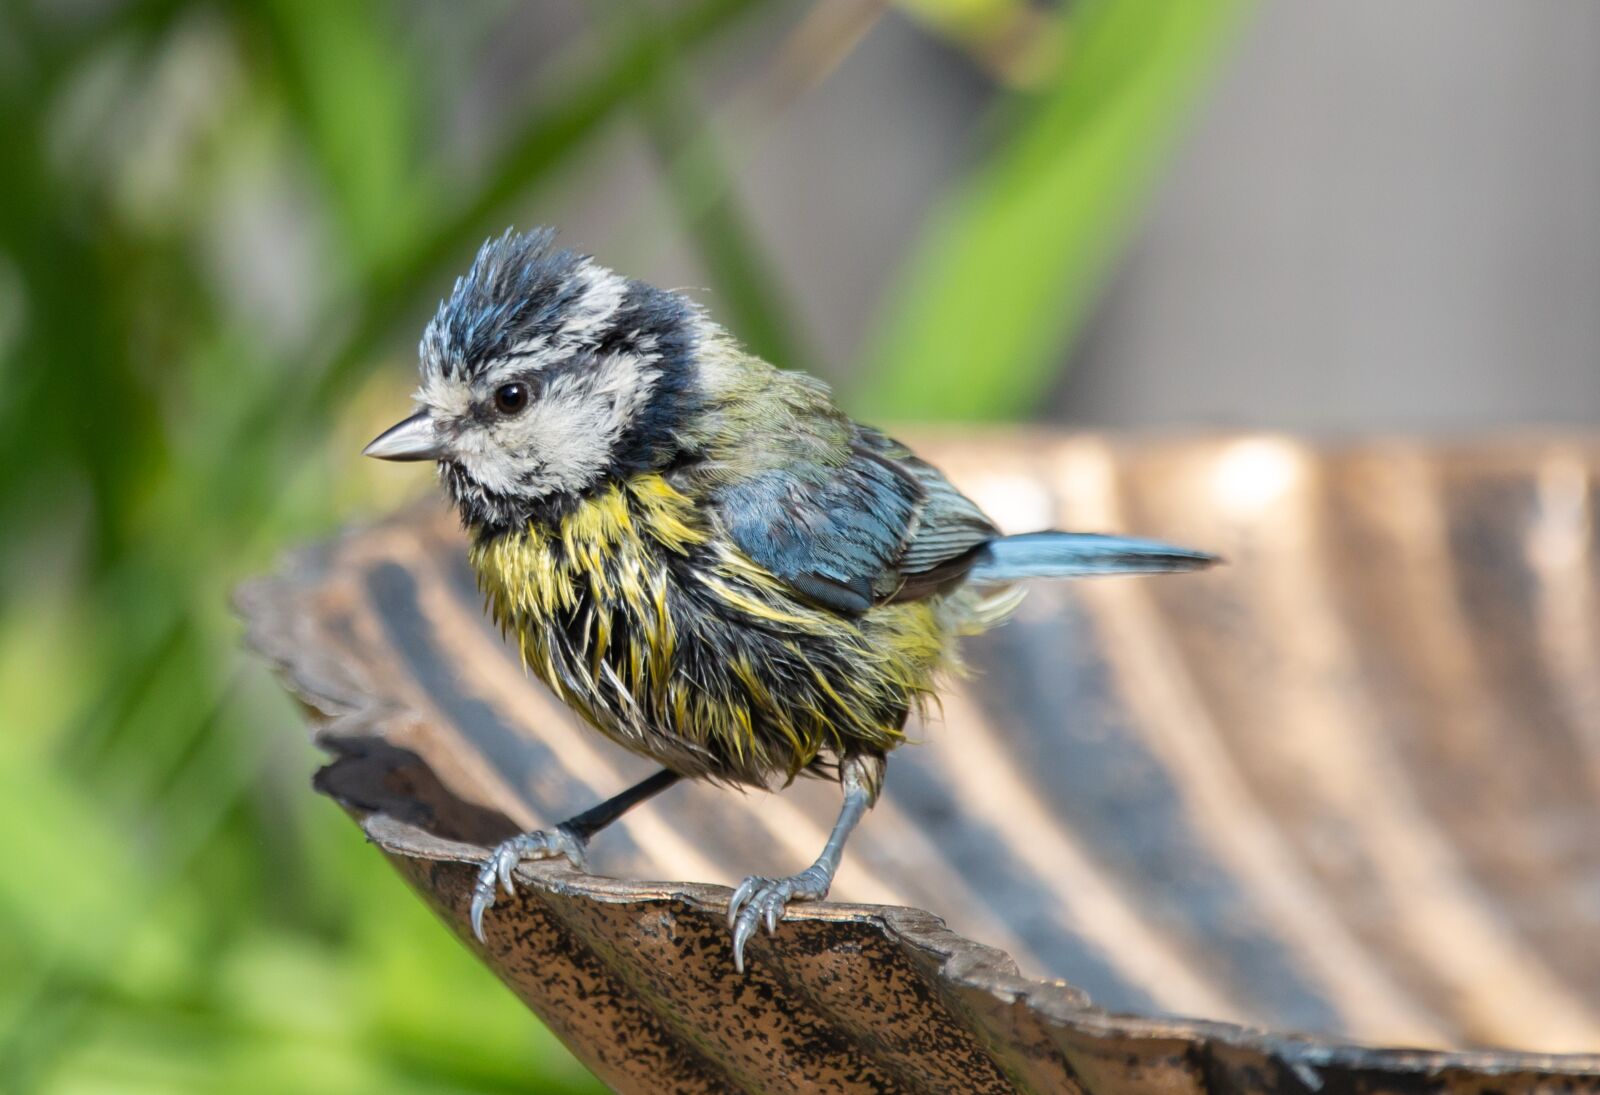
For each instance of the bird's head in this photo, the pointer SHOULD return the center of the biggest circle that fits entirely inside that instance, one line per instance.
(543, 375)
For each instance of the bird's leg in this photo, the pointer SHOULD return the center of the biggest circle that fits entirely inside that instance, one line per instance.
(570, 838)
(763, 900)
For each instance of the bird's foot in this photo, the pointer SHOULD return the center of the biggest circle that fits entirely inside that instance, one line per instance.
(496, 870)
(763, 900)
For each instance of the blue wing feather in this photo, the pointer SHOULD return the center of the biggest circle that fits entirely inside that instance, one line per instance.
(1078, 554)
(882, 525)
(855, 533)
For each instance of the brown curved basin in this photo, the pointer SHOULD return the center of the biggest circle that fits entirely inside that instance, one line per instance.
(1227, 831)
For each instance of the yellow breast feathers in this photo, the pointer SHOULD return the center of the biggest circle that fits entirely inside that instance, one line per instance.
(668, 639)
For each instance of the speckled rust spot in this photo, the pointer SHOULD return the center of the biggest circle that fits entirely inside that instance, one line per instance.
(1342, 793)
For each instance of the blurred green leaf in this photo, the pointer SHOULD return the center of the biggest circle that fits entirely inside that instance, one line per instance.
(356, 104)
(990, 297)
(749, 295)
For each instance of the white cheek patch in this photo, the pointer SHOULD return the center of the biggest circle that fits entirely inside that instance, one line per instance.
(567, 439)
(492, 466)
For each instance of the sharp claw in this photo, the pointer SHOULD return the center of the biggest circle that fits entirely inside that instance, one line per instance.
(740, 896)
(760, 901)
(482, 897)
(741, 935)
(479, 905)
(502, 864)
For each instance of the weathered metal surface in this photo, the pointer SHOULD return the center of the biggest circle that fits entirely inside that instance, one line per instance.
(1341, 793)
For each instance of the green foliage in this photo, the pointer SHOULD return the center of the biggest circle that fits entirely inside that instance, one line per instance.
(1006, 271)
(178, 912)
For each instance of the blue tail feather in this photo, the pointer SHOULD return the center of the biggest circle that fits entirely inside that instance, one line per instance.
(1079, 554)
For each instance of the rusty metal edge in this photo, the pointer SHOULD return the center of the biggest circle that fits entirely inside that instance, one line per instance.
(1222, 1056)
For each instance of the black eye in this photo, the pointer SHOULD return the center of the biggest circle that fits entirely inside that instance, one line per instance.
(510, 398)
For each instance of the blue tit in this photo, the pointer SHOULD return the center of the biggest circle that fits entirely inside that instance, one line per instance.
(706, 559)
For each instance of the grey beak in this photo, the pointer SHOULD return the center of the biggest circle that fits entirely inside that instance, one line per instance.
(412, 439)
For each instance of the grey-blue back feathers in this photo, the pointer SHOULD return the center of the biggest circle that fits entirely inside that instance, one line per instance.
(831, 535)
(1077, 555)
(881, 525)
(877, 524)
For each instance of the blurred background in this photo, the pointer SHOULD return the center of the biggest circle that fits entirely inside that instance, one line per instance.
(222, 227)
